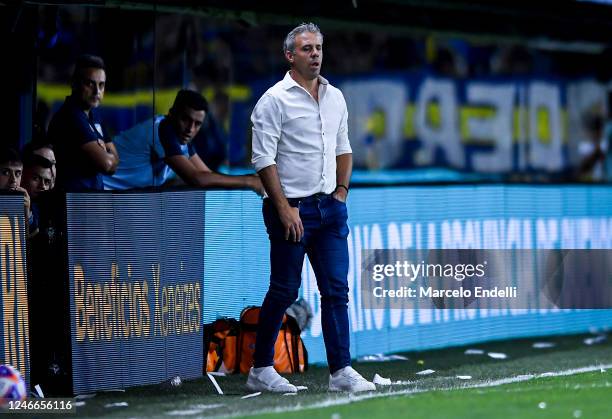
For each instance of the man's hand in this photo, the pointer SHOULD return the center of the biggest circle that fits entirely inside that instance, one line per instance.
(290, 218)
(340, 194)
(26, 201)
(256, 185)
(288, 215)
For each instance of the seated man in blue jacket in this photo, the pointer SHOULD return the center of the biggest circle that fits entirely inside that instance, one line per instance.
(154, 150)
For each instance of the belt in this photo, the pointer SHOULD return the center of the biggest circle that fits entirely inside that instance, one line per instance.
(316, 197)
(311, 198)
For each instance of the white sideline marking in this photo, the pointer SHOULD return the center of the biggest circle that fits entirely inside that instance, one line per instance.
(248, 396)
(520, 378)
(350, 398)
(39, 391)
(215, 383)
(194, 410)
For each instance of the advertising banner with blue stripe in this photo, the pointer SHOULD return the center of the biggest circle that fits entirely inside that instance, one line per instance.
(416, 217)
(136, 269)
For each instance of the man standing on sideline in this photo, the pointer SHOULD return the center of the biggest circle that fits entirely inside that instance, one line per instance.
(303, 156)
(84, 150)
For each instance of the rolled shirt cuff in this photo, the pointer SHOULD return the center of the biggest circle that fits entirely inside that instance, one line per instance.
(260, 163)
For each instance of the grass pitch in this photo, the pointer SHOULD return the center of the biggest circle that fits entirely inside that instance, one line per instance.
(529, 383)
(585, 395)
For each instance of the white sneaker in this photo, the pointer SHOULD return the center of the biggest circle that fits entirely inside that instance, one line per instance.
(267, 379)
(347, 379)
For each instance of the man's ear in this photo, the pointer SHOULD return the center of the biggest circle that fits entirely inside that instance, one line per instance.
(289, 56)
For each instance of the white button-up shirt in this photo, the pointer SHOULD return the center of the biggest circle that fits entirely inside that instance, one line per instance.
(299, 135)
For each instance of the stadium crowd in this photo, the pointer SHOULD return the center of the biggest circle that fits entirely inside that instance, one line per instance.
(159, 52)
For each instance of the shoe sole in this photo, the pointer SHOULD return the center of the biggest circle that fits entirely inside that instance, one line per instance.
(337, 389)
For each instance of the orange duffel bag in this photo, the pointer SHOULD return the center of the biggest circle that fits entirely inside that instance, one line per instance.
(221, 345)
(290, 355)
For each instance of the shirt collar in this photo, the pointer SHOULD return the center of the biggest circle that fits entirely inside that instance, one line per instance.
(288, 81)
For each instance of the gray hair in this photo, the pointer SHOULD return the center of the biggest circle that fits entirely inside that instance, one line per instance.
(289, 44)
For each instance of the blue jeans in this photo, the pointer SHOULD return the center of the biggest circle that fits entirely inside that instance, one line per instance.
(325, 232)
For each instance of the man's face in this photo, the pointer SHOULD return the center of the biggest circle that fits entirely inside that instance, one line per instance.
(10, 175)
(89, 89)
(187, 123)
(48, 154)
(37, 179)
(308, 55)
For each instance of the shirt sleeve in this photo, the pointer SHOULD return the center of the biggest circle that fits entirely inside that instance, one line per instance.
(168, 140)
(266, 119)
(149, 130)
(343, 145)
